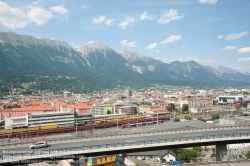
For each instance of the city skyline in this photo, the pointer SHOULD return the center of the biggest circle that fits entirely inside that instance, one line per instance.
(169, 30)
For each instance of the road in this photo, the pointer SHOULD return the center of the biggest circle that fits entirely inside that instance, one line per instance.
(131, 138)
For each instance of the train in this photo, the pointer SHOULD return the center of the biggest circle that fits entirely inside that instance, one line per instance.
(55, 126)
(118, 119)
(44, 130)
(29, 129)
(141, 124)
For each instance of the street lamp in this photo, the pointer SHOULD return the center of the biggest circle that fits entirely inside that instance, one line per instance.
(117, 122)
(157, 118)
(76, 127)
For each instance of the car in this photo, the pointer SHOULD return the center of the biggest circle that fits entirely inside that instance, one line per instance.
(40, 144)
(164, 164)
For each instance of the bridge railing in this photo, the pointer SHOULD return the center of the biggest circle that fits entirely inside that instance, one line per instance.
(21, 155)
(98, 134)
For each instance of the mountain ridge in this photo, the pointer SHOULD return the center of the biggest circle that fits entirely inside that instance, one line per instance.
(98, 66)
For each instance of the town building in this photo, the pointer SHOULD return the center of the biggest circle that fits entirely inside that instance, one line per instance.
(101, 109)
(168, 155)
(62, 119)
(31, 107)
(128, 93)
(16, 122)
(106, 160)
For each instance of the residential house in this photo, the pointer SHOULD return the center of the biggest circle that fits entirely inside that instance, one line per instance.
(168, 155)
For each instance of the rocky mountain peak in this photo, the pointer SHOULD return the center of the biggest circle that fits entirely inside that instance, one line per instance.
(132, 56)
(93, 47)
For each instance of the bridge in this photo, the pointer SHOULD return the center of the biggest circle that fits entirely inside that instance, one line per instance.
(123, 144)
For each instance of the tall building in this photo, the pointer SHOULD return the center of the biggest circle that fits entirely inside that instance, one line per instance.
(67, 94)
(128, 93)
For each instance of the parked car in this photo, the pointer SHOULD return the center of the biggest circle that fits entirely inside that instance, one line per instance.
(40, 144)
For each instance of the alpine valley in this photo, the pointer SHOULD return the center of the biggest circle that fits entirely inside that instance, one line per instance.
(32, 63)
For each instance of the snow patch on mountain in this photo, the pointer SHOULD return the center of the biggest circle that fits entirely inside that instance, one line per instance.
(132, 56)
(163, 60)
(217, 69)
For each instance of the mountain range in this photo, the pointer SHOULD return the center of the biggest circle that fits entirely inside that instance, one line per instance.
(33, 63)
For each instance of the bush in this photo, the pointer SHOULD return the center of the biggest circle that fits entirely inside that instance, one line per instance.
(177, 120)
(203, 120)
(213, 155)
(52, 162)
(188, 117)
(163, 160)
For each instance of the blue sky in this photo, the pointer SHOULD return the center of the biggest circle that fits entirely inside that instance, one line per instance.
(166, 29)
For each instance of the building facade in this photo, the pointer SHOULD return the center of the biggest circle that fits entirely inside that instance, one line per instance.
(98, 109)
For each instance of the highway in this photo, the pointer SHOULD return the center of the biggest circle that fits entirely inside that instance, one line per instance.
(195, 134)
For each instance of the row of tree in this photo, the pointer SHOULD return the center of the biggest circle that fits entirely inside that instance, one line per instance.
(171, 108)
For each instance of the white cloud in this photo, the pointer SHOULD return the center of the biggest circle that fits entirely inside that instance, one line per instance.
(209, 45)
(234, 36)
(59, 9)
(220, 37)
(151, 46)
(171, 39)
(212, 2)
(39, 15)
(244, 50)
(169, 16)
(128, 21)
(229, 48)
(243, 59)
(109, 21)
(183, 46)
(91, 42)
(12, 18)
(144, 16)
(84, 6)
(97, 20)
(155, 50)
(128, 44)
(102, 19)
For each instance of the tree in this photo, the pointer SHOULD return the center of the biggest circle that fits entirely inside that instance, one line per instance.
(16, 106)
(135, 112)
(108, 111)
(171, 107)
(215, 116)
(248, 155)
(213, 153)
(186, 155)
(184, 108)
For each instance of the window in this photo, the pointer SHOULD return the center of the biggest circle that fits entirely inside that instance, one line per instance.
(105, 158)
